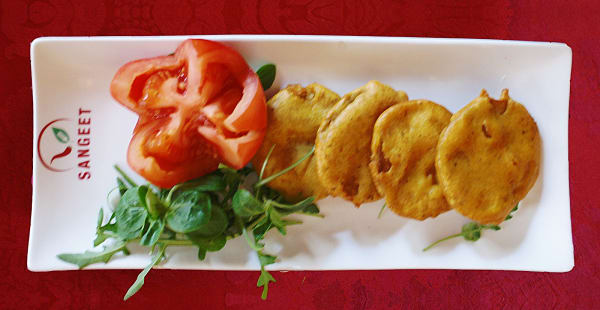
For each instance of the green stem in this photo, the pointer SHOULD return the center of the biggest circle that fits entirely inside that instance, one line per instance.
(251, 243)
(141, 277)
(251, 225)
(264, 165)
(441, 240)
(381, 211)
(170, 194)
(319, 215)
(111, 234)
(125, 176)
(284, 171)
(306, 201)
(108, 195)
(237, 221)
(175, 242)
(262, 169)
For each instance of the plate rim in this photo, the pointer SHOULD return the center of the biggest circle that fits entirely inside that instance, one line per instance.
(284, 38)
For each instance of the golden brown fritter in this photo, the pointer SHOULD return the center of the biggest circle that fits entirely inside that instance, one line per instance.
(294, 115)
(488, 157)
(403, 152)
(343, 146)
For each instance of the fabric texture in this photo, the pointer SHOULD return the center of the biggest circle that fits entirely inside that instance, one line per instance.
(572, 22)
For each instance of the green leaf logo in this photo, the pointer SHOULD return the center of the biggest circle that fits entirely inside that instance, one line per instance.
(61, 135)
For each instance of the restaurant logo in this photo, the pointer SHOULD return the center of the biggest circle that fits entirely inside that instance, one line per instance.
(55, 147)
(64, 144)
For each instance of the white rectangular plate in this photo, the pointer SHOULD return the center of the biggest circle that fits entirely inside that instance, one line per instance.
(70, 74)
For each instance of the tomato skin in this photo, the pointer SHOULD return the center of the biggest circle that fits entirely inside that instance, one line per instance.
(198, 107)
(249, 116)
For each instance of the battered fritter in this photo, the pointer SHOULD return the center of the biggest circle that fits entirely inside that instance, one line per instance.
(488, 157)
(343, 146)
(403, 152)
(294, 116)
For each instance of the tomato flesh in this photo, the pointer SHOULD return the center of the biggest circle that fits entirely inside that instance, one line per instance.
(198, 107)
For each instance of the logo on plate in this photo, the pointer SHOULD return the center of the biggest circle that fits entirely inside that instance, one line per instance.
(63, 144)
(55, 146)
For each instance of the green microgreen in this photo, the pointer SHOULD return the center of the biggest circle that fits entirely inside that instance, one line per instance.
(125, 177)
(203, 213)
(140, 278)
(286, 170)
(266, 73)
(381, 210)
(472, 231)
(91, 257)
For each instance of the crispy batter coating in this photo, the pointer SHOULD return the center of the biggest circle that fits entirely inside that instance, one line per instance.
(488, 157)
(294, 115)
(343, 145)
(403, 153)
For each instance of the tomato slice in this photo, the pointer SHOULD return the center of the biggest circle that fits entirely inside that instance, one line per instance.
(198, 107)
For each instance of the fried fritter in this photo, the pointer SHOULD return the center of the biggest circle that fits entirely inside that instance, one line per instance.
(488, 157)
(403, 152)
(343, 146)
(294, 116)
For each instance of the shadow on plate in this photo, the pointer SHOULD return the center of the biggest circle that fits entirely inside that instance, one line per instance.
(319, 237)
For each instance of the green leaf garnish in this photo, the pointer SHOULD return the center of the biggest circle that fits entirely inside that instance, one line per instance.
(102, 231)
(202, 213)
(153, 204)
(100, 218)
(190, 210)
(257, 246)
(140, 278)
(265, 276)
(262, 227)
(471, 231)
(89, 257)
(245, 204)
(216, 225)
(211, 244)
(130, 214)
(214, 182)
(263, 281)
(153, 232)
(266, 74)
(121, 186)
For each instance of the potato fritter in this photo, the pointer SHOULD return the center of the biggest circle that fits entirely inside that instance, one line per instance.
(294, 116)
(403, 152)
(488, 158)
(343, 146)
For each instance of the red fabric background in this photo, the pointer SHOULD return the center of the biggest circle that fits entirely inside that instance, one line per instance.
(575, 24)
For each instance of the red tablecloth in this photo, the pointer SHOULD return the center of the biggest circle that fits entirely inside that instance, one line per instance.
(575, 24)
